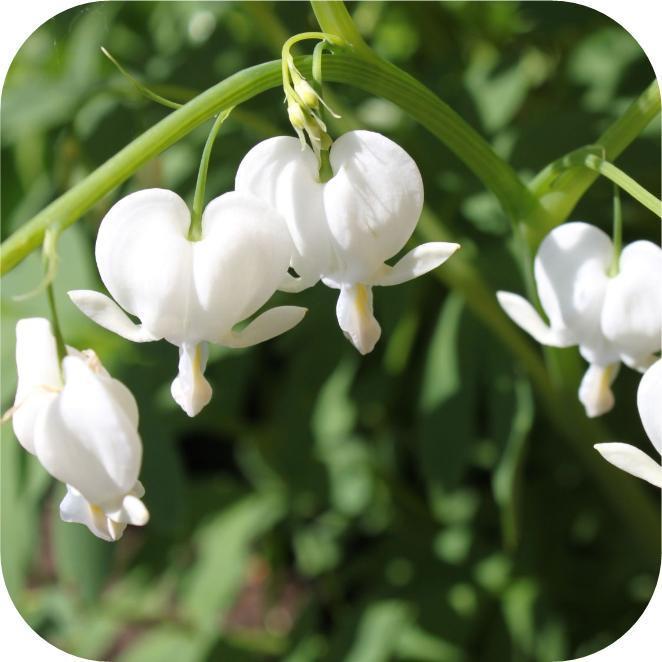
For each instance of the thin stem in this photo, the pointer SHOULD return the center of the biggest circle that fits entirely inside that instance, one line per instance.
(195, 229)
(55, 323)
(629, 185)
(143, 89)
(617, 237)
(570, 186)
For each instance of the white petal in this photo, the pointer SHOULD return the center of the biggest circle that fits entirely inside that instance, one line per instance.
(417, 262)
(265, 326)
(526, 316)
(39, 378)
(295, 285)
(279, 172)
(144, 260)
(649, 401)
(632, 312)
(372, 203)
(570, 269)
(86, 436)
(241, 260)
(190, 390)
(356, 319)
(595, 389)
(131, 511)
(106, 313)
(631, 459)
(75, 508)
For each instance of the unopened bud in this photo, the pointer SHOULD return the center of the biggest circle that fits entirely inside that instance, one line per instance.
(296, 115)
(306, 93)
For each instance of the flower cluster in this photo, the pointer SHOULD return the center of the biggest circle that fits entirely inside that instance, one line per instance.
(194, 283)
(82, 425)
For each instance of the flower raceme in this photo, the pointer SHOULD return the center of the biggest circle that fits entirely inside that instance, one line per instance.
(629, 458)
(344, 229)
(82, 425)
(190, 292)
(613, 319)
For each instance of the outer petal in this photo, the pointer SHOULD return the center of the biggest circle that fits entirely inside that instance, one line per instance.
(631, 459)
(240, 262)
(39, 377)
(571, 276)
(356, 319)
(632, 312)
(417, 262)
(526, 316)
(279, 172)
(87, 438)
(268, 325)
(106, 313)
(75, 508)
(649, 401)
(144, 259)
(190, 390)
(372, 203)
(595, 389)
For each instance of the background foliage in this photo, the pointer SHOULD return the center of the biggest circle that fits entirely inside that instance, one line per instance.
(412, 504)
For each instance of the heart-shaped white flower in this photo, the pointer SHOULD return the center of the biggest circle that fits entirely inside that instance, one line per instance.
(628, 457)
(190, 292)
(344, 230)
(612, 319)
(82, 425)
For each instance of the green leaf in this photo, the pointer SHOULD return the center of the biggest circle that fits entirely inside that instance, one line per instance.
(379, 631)
(222, 548)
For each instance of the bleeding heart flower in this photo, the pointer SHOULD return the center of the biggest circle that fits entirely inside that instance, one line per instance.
(190, 292)
(613, 319)
(82, 425)
(344, 229)
(629, 458)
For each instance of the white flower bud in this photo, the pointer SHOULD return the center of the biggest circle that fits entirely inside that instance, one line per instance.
(306, 93)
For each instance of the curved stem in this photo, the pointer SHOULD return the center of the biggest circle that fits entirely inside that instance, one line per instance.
(374, 76)
(617, 235)
(195, 229)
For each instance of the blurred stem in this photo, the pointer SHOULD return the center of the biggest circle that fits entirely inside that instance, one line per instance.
(195, 229)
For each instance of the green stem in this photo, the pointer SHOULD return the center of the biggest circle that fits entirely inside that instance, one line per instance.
(617, 237)
(333, 17)
(195, 229)
(141, 88)
(55, 324)
(374, 77)
(629, 185)
(569, 187)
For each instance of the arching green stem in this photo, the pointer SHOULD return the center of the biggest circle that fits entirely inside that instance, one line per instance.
(195, 229)
(55, 324)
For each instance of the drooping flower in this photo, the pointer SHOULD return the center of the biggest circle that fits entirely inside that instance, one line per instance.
(612, 319)
(82, 425)
(190, 292)
(343, 230)
(629, 458)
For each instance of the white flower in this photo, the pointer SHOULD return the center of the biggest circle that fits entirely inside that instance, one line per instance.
(612, 319)
(83, 427)
(343, 230)
(629, 458)
(190, 292)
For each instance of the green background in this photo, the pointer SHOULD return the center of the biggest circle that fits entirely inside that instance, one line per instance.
(413, 504)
